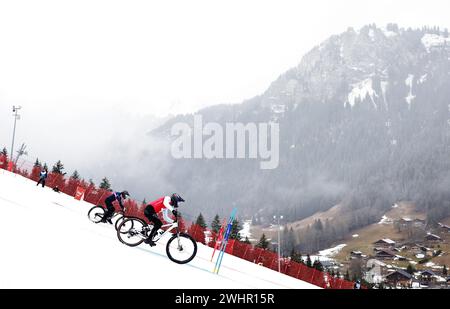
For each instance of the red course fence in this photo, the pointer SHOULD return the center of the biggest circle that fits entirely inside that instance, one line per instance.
(263, 257)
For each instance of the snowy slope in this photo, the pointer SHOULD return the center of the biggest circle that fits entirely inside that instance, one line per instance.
(47, 241)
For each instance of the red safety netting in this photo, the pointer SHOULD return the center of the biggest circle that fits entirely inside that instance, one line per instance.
(3, 162)
(205, 236)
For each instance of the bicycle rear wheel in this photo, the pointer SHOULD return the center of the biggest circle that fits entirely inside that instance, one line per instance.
(131, 232)
(181, 248)
(96, 214)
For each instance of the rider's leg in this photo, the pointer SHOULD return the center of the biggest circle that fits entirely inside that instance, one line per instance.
(156, 226)
(151, 215)
(109, 212)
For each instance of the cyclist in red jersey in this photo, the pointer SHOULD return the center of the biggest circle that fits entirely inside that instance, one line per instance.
(152, 210)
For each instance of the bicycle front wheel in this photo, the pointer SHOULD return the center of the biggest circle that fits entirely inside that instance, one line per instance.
(181, 248)
(131, 232)
(125, 228)
(96, 214)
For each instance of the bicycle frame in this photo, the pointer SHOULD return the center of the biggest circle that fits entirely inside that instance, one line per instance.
(173, 225)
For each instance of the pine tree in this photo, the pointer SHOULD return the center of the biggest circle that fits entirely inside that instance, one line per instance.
(105, 184)
(144, 202)
(318, 225)
(347, 276)
(289, 240)
(317, 265)
(75, 175)
(410, 269)
(215, 224)
(4, 152)
(247, 241)
(308, 261)
(91, 182)
(263, 242)
(444, 271)
(37, 163)
(201, 221)
(235, 229)
(295, 256)
(45, 167)
(58, 167)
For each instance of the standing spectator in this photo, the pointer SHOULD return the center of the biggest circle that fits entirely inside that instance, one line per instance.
(42, 177)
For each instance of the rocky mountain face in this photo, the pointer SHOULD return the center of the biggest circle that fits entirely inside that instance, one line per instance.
(364, 122)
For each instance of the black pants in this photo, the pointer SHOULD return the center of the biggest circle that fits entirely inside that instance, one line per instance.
(109, 209)
(41, 180)
(151, 215)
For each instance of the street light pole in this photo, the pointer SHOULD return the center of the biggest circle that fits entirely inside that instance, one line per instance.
(279, 242)
(16, 117)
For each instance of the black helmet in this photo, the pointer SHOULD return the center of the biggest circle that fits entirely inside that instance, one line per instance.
(175, 198)
(125, 194)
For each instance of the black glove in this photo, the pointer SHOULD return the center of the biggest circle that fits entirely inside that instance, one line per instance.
(175, 212)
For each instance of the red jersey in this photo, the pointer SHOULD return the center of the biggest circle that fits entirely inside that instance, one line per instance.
(159, 204)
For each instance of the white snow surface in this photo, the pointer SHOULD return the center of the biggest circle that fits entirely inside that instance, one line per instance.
(384, 86)
(389, 241)
(360, 91)
(48, 242)
(434, 40)
(278, 108)
(422, 79)
(409, 83)
(331, 251)
(388, 33)
(372, 35)
(245, 232)
(385, 220)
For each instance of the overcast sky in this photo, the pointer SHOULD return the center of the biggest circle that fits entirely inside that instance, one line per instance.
(71, 64)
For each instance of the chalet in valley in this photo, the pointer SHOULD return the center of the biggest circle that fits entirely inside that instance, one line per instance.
(432, 238)
(427, 277)
(384, 254)
(399, 277)
(375, 271)
(444, 227)
(384, 243)
(409, 223)
(356, 255)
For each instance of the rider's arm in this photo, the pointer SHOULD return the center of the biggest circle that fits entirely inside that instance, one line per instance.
(166, 203)
(119, 199)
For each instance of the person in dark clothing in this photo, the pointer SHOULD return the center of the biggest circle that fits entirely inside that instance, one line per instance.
(116, 196)
(152, 210)
(357, 285)
(42, 177)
